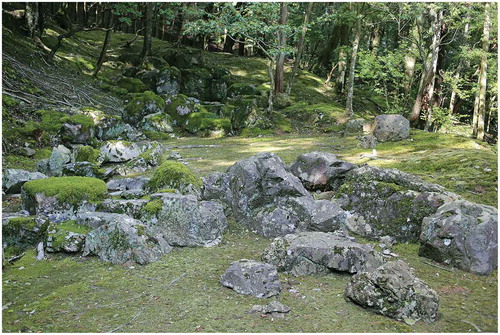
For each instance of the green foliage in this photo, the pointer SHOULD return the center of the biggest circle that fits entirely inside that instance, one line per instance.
(72, 190)
(173, 175)
(8, 101)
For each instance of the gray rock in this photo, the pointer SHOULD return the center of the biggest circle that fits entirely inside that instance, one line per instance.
(367, 142)
(114, 128)
(131, 207)
(137, 183)
(119, 151)
(184, 221)
(389, 128)
(216, 187)
(96, 219)
(76, 133)
(13, 179)
(128, 194)
(320, 170)
(394, 291)
(42, 166)
(252, 278)
(150, 157)
(273, 308)
(388, 202)
(83, 169)
(125, 240)
(168, 81)
(58, 158)
(317, 252)
(263, 195)
(463, 234)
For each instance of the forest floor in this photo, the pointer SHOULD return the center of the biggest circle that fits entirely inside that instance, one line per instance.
(181, 291)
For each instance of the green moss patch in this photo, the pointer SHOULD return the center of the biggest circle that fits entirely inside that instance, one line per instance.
(83, 120)
(153, 206)
(173, 175)
(72, 190)
(201, 121)
(51, 120)
(86, 153)
(143, 104)
(132, 85)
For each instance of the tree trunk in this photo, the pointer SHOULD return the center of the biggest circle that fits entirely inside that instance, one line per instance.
(241, 47)
(481, 95)
(344, 40)
(375, 40)
(300, 47)
(31, 16)
(350, 84)
(105, 45)
(280, 59)
(228, 44)
(148, 41)
(429, 65)
(459, 67)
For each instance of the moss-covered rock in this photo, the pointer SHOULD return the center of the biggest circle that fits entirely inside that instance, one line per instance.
(242, 89)
(179, 107)
(51, 120)
(72, 191)
(142, 105)
(242, 112)
(204, 122)
(67, 236)
(196, 82)
(165, 80)
(158, 122)
(86, 153)
(77, 128)
(130, 58)
(174, 175)
(20, 233)
(132, 85)
(184, 58)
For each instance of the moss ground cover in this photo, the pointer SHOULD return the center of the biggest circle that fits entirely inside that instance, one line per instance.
(72, 190)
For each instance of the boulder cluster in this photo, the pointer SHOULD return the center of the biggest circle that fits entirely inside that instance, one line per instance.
(139, 219)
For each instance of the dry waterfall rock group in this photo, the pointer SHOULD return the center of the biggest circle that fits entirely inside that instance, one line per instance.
(307, 210)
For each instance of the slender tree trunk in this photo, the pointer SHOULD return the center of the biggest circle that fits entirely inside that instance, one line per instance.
(280, 59)
(375, 40)
(459, 67)
(148, 41)
(228, 44)
(481, 110)
(350, 83)
(344, 40)
(300, 47)
(107, 37)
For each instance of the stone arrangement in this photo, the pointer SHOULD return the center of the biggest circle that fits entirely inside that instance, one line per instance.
(135, 220)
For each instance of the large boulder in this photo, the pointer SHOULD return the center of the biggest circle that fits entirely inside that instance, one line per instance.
(243, 112)
(179, 107)
(123, 240)
(150, 157)
(185, 221)
(388, 202)
(389, 128)
(394, 291)
(252, 278)
(13, 179)
(159, 122)
(320, 170)
(241, 89)
(316, 252)
(196, 82)
(166, 80)
(268, 199)
(112, 127)
(216, 187)
(175, 175)
(462, 234)
(59, 198)
(119, 151)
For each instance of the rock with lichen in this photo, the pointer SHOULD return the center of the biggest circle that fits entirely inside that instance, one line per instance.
(393, 290)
